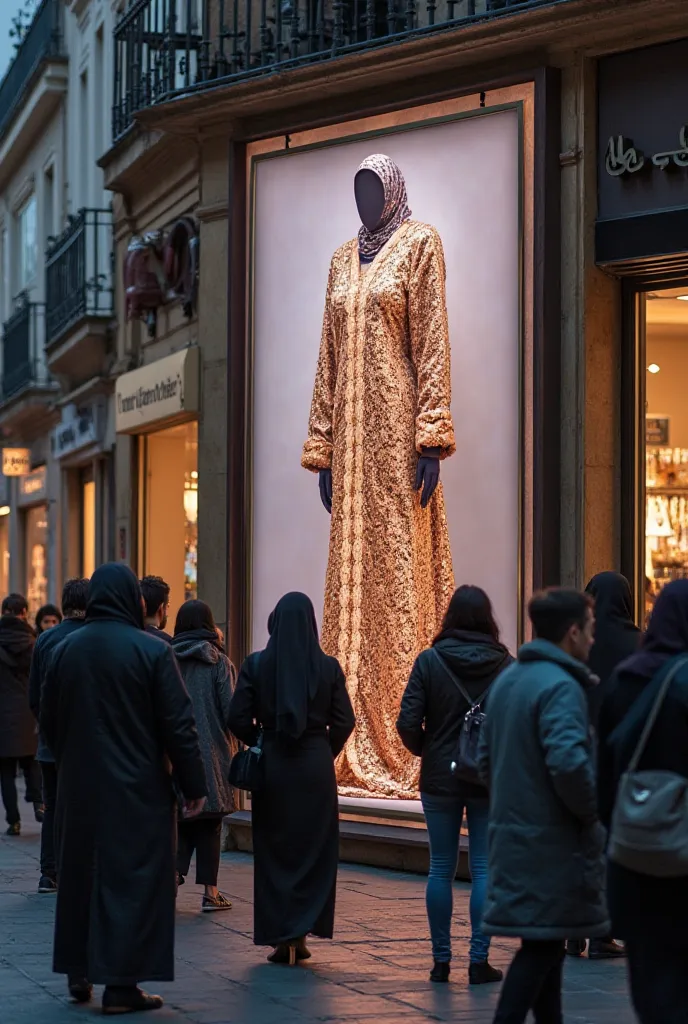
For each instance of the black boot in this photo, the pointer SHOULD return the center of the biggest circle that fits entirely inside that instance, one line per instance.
(131, 999)
(483, 973)
(440, 972)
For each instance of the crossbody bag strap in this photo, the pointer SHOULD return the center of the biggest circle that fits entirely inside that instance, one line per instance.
(654, 713)
(466, 696)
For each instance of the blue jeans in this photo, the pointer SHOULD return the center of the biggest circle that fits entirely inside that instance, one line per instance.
(443, 817)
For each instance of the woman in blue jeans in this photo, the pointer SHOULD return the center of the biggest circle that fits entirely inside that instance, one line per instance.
(463, 661)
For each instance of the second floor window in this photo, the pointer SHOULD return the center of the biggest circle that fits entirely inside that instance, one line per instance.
(28, 243)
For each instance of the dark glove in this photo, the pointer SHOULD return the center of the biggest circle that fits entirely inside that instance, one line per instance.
(427, 474)
(325, 482)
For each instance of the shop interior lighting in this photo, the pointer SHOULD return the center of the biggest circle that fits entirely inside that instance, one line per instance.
(653, 368)
(682, 298)
(4, 510)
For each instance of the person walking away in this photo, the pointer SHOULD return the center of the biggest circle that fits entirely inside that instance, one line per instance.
(74, 595)
(296, 696)
(210, 678)
(115, 713)
(156, 594)
(616, 638)
(647, 912)
(18, 740)
(545, 848)
(47, 617)
(446, 681)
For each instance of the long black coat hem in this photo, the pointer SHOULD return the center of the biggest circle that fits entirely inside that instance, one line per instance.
(116, 980)
(542, 933)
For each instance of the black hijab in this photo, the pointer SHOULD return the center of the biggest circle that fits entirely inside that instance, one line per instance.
(616, 634)
(667, 632)
(292, 663)
(114, 594)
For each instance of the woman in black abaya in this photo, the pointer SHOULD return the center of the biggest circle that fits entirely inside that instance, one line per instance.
(616, 635)
(297, 695)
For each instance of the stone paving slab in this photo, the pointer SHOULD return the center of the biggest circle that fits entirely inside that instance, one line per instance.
(374, 972)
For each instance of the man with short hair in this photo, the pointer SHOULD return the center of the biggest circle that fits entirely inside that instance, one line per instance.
(74, 595)
(156, 594)
(17, 727)
(545, 843)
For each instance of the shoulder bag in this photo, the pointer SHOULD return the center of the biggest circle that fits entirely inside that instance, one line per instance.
(464, 764)
(246, 767)
(649, 829)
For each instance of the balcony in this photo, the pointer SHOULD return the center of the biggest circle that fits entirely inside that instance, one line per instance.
(79, 296)
(35, 81)
(168, 48)
(27, 390)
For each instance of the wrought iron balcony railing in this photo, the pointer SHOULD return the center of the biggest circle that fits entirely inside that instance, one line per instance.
(167, 47)
(23, 336)
(79, 273)
(41, 42)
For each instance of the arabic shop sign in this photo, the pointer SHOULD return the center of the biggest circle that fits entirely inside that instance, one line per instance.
(642, 132)
(623, 158)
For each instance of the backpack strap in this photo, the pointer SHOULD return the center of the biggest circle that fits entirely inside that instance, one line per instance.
(466, 696)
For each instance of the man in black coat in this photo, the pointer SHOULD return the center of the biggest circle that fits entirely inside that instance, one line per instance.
(156, 595)
(74, 594)
(115, 712)
(17, 727)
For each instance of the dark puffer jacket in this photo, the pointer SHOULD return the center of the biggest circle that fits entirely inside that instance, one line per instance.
(433, 708)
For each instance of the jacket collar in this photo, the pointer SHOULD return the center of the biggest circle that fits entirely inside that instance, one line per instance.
(544, 650)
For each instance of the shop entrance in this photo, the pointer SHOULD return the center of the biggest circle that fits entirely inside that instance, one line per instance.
(168, 510)
(661, 468)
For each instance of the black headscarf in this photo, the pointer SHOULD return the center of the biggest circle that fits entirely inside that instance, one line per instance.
(292, 663)
(616, 634)
(667, 632)
(114, 593)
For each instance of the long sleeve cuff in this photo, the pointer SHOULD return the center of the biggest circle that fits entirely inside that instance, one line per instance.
(434, 429)
(317, 454)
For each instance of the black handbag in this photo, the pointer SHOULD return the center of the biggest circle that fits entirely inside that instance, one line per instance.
(464, 764)
(246, 768)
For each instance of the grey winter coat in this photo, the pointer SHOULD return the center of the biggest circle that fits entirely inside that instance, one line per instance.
(210, 678)
(545, 843)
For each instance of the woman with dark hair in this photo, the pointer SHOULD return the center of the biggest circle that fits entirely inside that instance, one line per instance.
(446, 681)
(47, 617)
(209, 676)
(295, 695)
(649, 913)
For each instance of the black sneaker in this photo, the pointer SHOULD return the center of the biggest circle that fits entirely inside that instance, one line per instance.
(482, 973)
(440, 972)
(39, 813)
(14, 830)
(575, 947)
(47, 884)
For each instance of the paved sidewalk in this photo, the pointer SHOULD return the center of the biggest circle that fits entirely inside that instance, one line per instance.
(375, 972)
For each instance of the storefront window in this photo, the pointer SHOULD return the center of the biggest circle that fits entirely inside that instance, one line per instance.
(168, 523)
(36, 540)
(4, 549)
(666, 440)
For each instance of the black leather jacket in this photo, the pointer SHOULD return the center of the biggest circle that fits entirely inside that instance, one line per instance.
(433, 708)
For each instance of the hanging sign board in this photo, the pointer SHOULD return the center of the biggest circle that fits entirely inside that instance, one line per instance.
(165, 390)
(16, 461)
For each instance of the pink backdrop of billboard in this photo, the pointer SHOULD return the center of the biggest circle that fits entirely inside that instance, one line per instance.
(463, 177)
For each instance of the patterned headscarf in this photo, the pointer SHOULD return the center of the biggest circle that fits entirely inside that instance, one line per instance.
(396, 208)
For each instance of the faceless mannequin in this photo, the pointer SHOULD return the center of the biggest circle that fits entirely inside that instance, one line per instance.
(370, 200)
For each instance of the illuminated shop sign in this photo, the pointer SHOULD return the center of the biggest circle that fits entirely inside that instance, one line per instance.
(166, 389)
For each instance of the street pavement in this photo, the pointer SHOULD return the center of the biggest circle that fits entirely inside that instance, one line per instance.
(374, 972)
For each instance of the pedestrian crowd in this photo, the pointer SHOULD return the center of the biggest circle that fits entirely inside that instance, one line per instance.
(568, 761)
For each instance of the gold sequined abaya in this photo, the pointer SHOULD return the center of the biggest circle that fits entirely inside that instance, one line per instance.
(382, 393)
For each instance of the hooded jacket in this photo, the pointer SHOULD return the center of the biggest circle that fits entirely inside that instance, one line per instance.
(18, 733)
(433, 707)
(545, 844)
(210, 678)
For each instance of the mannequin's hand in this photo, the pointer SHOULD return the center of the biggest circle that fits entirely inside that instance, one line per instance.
(427, 474)
(325, 482)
